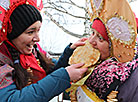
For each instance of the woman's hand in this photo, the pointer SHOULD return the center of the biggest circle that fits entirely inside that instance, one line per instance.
(80, 42)
(75, 72)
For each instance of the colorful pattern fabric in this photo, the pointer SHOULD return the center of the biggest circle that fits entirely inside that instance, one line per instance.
(4, 59)
(109, 74)
(27, 61)
(5, 75)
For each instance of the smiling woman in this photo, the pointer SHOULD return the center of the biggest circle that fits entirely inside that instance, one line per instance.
(27, 39)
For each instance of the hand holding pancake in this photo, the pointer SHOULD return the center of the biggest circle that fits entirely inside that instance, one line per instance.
(80, 42)
(78, 73)
(85, 54)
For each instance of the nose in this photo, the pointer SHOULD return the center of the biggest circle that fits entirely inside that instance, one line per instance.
(36, 37)
(92, 41)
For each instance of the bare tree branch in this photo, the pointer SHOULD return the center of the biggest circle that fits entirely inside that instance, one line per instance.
(63, 10)
(61, 27)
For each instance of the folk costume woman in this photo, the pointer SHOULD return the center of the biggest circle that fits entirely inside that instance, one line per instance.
(114, 35)
(23, 65)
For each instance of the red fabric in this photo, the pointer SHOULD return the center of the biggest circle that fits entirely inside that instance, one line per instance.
(99, 27)
(41, 5)
(5, 14)
(30, 61)
(137, 22)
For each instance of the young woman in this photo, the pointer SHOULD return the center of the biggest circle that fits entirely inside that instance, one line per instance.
(26, 74)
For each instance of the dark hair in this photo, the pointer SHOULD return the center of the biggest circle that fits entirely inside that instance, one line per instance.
(20, 75)
(45, 62)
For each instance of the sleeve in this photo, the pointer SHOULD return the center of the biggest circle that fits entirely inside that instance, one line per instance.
(135, 96)
(42, 91)
(128, 91)
(64, 58)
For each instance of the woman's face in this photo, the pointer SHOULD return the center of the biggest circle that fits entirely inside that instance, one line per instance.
(98, 42)
(28, 38)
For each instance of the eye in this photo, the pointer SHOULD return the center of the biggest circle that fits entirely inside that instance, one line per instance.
(30, 32)
(38, 30)
(92, 33)
(101, 38)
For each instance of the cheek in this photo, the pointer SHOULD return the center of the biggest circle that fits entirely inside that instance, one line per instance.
(104, 50)
(23, 42)
(27, 40)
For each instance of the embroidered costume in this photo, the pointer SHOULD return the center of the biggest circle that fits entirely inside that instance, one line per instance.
(108, 75)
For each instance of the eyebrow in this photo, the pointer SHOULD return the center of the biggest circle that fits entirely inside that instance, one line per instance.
(30, 29)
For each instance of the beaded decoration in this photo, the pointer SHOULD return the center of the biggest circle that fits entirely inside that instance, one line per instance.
(120, 22)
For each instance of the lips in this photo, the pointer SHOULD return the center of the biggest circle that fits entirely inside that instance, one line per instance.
(30, 46)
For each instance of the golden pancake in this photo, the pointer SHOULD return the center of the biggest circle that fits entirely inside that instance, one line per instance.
(85, 54)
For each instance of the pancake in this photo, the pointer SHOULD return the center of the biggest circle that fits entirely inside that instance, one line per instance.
(85, 54)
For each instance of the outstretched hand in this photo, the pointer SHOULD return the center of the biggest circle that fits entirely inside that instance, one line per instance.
(75, 72)
(80, 42)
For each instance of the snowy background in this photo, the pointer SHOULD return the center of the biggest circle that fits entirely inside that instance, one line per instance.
(55, 39)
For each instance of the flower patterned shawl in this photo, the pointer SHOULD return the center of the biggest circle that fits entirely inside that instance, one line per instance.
(108, 75)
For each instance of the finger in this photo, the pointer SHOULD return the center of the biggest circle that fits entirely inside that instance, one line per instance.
(83, 70)
(83, 39)
(73, 46)
(80, 44)
(78, 65)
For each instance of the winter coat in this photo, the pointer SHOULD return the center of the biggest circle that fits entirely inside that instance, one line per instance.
(128, 92)
(45, 89)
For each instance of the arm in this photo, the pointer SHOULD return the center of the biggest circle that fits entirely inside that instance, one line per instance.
(43, 90)
(64, 58)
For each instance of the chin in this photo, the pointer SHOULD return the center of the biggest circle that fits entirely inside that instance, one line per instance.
(27, 52)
